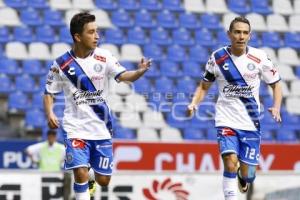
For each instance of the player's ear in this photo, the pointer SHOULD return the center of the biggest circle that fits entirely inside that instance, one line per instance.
(77, 37)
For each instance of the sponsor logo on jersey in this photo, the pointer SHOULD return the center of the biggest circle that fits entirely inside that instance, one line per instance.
(254, 58)
(77, 143)
(238, 91)
(250, 76)
(100, 58)
(227, 132)
(220, 60)
(273, 71)
(87, 97)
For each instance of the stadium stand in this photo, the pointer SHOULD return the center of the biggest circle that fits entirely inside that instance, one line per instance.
(177, 35)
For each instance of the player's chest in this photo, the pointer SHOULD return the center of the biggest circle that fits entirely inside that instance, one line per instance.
(240, 68)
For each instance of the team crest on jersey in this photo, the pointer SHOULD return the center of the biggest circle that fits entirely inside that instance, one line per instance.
(69, 158)
(251, 66)
(98, 68)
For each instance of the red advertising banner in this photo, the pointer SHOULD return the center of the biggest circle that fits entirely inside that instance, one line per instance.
(193, 157)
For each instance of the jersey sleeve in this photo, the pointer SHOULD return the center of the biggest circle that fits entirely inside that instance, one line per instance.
(115, 69)
(209, 73)
(269, 72)
(54, 80)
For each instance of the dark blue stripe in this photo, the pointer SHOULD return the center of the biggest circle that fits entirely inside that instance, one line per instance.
(81, 81)
(229, 174)
(80, 188)
(233, 76)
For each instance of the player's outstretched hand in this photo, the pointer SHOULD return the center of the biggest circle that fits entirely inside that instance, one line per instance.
(53, 122)
(191, 108)
(275, 114)
(145, 64)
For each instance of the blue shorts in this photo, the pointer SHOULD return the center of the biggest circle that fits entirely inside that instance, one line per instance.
(246, 144)
(98, 154)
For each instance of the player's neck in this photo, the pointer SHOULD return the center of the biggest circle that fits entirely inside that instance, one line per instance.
(81, 52)
(237, 52)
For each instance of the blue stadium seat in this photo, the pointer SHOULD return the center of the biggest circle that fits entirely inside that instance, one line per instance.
(166, 19)
(177, 120)
(38, 4)
(6, 85)
(114, 36)
(241, 7)
(130, 5)
(33, 67)
(172, 5)
(45, 34)
(122, 19)
(60, 134)
(25, 83)
(292, 39)
(170, 69)
(199, 54)
(176, 53)
(65, 35)
(124, 133)
(164, 85)
(267, 136)
(109, 5)
(153, 51)
(261, 7)
(254, 40)
(210, 21)
(151, 5)
(188, 20)
(297, 71)
(271, 39)
(53, 18)
(137, 36)
(291, 120)
(23, 34)
(192, 69)
(284, 135)
(18, 101)
(193, 134)
(58, 109)
(128, 65)
(16, 4)
(222, 38)
(35, 118)
(263, 90)
(31, 17)
(153, 72)
(4, 34)
(160, 36)
(142, 85)
(37, 100)
(205, 38)
(186, 85)
(211, 134)
(144, 19)
(10, 67)
(182, 37)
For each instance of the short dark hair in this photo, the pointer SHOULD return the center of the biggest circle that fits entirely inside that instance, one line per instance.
(239, 19)
(78, 21)
(51, 132)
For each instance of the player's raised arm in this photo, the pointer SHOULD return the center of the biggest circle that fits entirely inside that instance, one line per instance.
(199, 95)
(132, 76)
